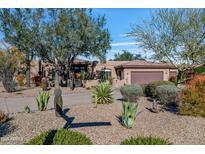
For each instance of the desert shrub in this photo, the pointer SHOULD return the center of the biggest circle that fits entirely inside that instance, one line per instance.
(82, 78)
(3, 117)
(36, 80)
(151, 87)
(129, 114)
(145, 141)
(132, 92)
(44, 84)
(9, 64)
(60, 137)
(144, 88)
(20, 79)
(167, 94)
(42, 100)
(82, 75)
(192, 98)
(102, 94)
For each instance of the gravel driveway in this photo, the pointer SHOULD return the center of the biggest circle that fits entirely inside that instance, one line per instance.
(102, 126)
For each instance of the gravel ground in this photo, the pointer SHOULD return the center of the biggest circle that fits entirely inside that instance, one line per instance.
(102, 126)
(33, 91)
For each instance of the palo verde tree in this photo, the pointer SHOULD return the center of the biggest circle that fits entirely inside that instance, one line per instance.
(175, 36)
(21, 28)
(69, 33)
(127, 56)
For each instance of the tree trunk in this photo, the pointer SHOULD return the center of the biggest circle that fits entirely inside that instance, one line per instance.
(28, 74)
(56, 79)
(8, 82)
(56, 73)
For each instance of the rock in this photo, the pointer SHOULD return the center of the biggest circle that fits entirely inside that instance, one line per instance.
(58, 101)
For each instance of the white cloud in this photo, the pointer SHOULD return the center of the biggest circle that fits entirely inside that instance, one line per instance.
(123, 35)
(123, 44)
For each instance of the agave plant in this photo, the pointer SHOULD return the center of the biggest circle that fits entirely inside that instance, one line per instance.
(42, 100)
(102, 94)
(27, 109)
(129, 114)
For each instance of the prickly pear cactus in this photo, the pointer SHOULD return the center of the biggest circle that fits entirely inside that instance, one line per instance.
(58, 101)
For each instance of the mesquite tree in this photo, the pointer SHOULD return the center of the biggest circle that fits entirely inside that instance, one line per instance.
(69, 33)
(174, 35)
(22, 28)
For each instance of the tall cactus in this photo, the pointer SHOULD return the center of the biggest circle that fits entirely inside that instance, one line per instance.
(129, 114)
(58, 101)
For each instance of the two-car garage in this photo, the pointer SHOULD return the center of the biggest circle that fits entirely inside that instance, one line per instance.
(145, 77)
(144, 72)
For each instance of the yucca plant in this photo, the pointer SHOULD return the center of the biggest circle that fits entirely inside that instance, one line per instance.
(129, 114)
(102, 94)
(42, 100)
(27, 109)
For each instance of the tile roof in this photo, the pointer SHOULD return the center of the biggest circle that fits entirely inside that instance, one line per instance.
(144, 64)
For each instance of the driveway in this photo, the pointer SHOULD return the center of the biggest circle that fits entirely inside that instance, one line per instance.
(13, 105)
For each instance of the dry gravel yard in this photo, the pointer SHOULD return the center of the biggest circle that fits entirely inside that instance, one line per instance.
(178, 129)
(33, 91)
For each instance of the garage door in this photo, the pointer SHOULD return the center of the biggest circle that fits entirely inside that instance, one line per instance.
(146, 77)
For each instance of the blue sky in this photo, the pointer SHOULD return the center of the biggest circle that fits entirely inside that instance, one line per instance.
(119, 22)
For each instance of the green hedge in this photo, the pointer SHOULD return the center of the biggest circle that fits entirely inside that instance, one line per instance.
(145, 141)
(60, 137)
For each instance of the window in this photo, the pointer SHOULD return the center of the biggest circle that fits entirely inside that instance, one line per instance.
(105, 74)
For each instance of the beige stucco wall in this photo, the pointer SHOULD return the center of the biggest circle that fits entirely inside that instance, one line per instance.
(113, 72)
(127, 74)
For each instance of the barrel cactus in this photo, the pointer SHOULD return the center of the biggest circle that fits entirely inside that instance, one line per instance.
(129, 114)
(58, 101)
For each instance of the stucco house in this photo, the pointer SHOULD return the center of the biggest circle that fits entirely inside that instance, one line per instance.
(120, 72)
(138, 71)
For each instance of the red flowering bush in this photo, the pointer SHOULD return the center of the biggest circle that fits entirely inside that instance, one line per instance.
(192, 98)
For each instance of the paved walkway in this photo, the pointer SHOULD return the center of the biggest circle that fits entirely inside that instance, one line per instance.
(13, 105)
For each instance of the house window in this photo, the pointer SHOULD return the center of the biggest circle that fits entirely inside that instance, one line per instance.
(105, 74)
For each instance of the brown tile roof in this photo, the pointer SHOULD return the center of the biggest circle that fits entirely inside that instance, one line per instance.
(113, 63)
(144, 64)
